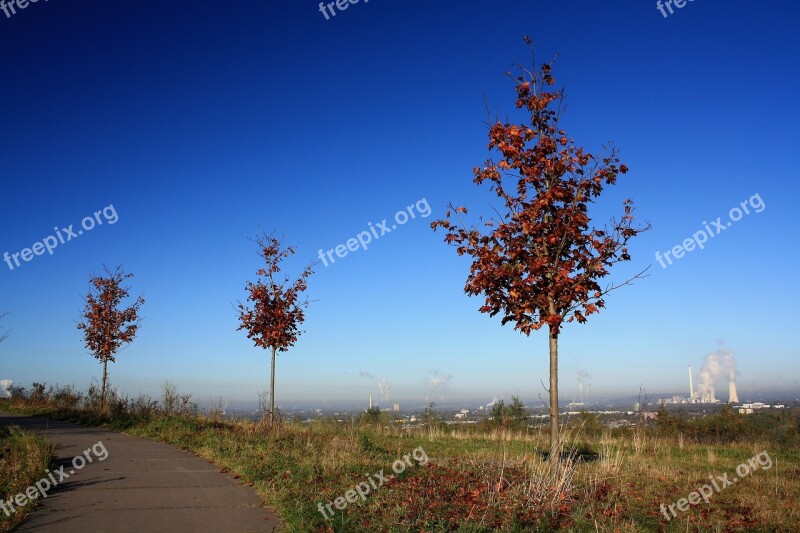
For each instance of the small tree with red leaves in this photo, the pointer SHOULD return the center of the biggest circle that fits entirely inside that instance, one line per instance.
(540, 262)
(275, 316)
(107, 326)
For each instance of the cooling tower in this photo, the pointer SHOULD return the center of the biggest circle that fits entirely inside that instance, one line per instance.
(732, 396)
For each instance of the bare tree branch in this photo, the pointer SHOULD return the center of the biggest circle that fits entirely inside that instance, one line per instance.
(3, 336)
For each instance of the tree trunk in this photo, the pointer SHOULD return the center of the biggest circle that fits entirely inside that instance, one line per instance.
(555, 448)
(272, 391)
(103, 388)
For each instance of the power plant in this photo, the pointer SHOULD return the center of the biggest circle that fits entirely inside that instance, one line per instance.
(718, 365)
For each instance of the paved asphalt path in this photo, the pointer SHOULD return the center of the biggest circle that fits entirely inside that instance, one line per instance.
(142, 486)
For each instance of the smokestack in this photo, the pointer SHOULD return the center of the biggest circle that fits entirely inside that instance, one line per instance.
(691, 387)
(732, 396)
(370, 400)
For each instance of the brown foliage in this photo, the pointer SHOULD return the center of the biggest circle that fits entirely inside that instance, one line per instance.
(540, 262)
(274, 319)
(447, 496)
(106, 326)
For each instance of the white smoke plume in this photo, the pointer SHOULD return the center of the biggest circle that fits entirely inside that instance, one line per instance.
(384, 388)
(493, 402)
(584, 386)
(5, 388)
(437, 383)
(438, 379)
(718, 365)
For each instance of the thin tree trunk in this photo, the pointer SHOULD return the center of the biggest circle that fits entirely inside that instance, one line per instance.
(103, 389)
(555, 448)
(272, 391)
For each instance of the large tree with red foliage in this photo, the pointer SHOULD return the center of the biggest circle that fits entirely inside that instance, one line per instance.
(277, 311)
(107, 326)
(540, 261)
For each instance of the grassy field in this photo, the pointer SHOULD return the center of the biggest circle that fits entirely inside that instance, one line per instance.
(488, 479)
(24, 459)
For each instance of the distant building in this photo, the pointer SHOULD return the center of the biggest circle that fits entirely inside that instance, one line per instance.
(748, 408)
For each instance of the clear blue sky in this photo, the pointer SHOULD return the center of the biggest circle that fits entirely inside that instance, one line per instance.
(204, 123)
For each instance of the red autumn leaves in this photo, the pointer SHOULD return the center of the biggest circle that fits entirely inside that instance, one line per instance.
(106, 327)
(540, 262)
(276, 313)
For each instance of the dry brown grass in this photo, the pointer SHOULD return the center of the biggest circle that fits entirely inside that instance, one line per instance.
(25, 458)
